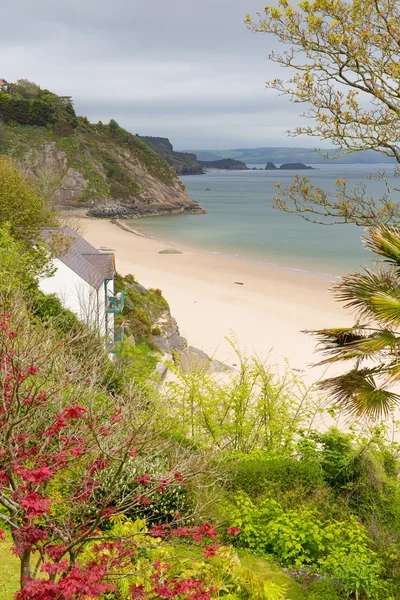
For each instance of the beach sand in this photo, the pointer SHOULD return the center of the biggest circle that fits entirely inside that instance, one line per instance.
(268, 312)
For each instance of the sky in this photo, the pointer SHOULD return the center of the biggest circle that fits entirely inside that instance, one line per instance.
(188, 70)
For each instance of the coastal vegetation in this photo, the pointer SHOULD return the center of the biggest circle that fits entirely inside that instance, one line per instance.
(208, 486)
(79, 164)
(114, 485)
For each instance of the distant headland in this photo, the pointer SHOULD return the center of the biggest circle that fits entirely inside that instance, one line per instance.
(281, 155)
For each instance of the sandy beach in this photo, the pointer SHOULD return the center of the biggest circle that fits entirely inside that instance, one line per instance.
(268, 312)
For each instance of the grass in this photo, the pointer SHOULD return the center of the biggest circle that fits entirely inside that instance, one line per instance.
(264, 569)
(268, 570)
(9, 573)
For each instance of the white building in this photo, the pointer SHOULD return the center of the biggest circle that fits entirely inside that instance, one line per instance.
(83, 280)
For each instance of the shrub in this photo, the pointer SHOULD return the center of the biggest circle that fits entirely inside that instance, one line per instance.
(255, 475)
(20, 205)
(324, 589)
(298, 537)
(49, 308)
(113, 125)
(177, 571)
(257, 409)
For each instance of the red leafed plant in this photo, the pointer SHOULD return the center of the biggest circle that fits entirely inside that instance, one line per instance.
(64, 444)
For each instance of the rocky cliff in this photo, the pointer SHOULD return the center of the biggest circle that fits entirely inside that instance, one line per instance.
(226, 164)
(184, 163)
(102, 168)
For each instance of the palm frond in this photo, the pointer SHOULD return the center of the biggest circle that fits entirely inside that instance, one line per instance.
(358, 394)
(385, 241)
(358, 290)
(392, 372)
(355, 343)
(387, 308)
(336, 338)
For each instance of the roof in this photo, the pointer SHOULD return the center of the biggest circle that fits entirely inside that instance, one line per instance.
(81, 257)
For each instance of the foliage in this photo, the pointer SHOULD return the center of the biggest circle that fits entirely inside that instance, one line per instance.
(142, 308)
(163, 570)
(346, 61)
(20, 205)
(368, 388)
(113, 125)
(255, 409)
(254, 474)
(299, 537)
(324, 589)
(136, 362)
(122, 184)
(26, 103)
(20, 266)
(48, 309)
(64, 443)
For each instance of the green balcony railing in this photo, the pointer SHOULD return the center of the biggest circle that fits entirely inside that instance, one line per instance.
(115, 303)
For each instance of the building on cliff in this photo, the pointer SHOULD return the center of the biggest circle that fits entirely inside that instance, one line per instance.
(83, 279)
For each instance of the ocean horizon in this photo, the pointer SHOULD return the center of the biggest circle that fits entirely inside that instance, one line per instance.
(242, 223)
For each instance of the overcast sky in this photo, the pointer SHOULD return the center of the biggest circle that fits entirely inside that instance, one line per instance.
(188, 70)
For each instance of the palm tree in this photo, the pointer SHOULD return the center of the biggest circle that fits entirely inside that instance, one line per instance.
(372, 345)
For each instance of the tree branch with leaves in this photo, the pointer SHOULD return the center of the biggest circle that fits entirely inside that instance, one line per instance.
(346, 58)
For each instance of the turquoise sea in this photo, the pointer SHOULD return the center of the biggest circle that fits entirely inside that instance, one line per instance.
(241, 222)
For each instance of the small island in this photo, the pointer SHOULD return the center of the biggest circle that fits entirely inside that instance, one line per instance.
(225, 164)
(287, 167)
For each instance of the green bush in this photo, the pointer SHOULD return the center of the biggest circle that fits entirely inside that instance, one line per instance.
(255, 475)
(142, 309)
(324, 589)
(48, 307)
(295, 538)
(113, 125)
(25, 111)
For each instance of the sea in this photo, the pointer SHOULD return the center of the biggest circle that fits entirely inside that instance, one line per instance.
(242, 223)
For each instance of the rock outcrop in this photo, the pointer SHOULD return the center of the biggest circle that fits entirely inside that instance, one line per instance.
(225, 164)
(294, 167)
(270, 166)
(184, 163)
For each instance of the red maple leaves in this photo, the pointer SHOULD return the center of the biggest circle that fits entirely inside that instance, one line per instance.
(59, 467)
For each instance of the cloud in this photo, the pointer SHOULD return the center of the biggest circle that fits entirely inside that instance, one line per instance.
(188, 69)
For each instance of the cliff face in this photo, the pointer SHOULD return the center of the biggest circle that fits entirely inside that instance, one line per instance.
(111, 174)
(184, 163)
(102, 168)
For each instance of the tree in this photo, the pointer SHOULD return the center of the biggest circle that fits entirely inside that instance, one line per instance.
(21, 267)
(71, 460)
(113, 125)
(373, 343)
(346, 57)
(21, 207)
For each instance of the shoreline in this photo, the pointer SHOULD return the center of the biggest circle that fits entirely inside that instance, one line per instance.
(213, 297)
(318, 274)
